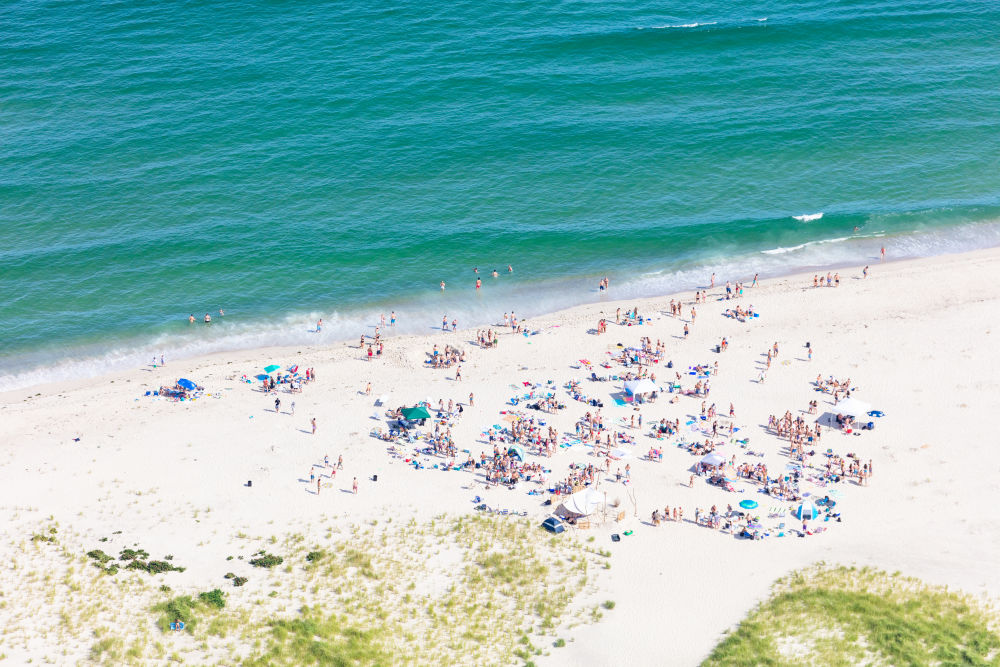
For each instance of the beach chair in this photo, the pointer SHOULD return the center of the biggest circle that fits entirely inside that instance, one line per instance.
(620, 517)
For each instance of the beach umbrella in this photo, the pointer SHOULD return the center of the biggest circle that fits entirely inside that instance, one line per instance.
(187, 384)
(748, 504)
(263, 376)
(806, 510)
(414, 414)
(270, 369)
(516, 450)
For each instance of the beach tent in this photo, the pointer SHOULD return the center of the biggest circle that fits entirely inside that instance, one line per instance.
(713, 460)
(582, 503)
(516, 450)
(806, 510)
(187, 384)
(643, 386)
(853, 407)
(416, 413)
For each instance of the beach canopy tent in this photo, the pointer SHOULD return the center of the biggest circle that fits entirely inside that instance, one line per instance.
(518, 451)
(853, 407)
(806, 510)
(413, 414)
(272, 368)
(712, 459)
(582, 503)
(643, 386)
(187, 384)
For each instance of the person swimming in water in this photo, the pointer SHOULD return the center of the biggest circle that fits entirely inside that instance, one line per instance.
(208, 318)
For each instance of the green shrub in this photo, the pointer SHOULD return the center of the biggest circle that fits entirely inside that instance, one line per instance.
(264, 559)
(213, 598)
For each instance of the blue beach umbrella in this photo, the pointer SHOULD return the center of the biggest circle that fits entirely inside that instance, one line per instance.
(518, 451)
(748, 504)
(262, 376)
(186, 384)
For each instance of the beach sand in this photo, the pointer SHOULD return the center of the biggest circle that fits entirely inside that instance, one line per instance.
(915, 337)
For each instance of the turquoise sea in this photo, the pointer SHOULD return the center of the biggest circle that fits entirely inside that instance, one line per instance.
(290, 161)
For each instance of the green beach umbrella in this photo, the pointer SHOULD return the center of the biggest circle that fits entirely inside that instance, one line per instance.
(272, 368)
(413, 414)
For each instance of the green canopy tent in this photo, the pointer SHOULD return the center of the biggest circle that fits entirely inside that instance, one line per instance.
(413, 414)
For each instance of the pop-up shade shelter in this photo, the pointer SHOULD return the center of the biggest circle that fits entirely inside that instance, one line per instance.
(582, 503)
(413, 414)
(187, 384)
(643, 386)
(518, 451)
(806, 511)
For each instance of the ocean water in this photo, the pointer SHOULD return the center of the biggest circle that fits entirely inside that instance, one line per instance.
(290, 161)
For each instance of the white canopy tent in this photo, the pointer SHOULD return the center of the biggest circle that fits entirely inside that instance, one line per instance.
(583, 503)
(852, 406)
(713, 459)
(642, 386)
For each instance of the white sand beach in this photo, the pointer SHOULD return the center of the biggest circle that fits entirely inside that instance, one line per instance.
(915, 338)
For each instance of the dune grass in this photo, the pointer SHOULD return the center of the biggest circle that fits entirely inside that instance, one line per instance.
(452, 590)
(848, 616)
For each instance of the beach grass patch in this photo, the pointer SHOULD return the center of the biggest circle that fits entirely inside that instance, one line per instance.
(843, 615)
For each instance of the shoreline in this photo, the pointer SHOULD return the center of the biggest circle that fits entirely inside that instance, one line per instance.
(544, 298)
(343, 345)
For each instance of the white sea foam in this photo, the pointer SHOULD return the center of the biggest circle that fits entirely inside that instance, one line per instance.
(682, 25)
(809, 217)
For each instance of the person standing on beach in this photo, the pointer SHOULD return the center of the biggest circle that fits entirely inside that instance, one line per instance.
(314, 425)
(754, 283)
(162, 362)
(444, 323)
(882, 257)
(392, 319)
(354, 486)
(865, 272)
(686, 330)
(319, 484)
(292, 411)
(319, 325)
(277, 406)
(712, 282)
(472, 400)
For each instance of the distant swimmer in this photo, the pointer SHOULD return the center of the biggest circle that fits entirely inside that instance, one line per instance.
(495, 274)
(476, 269)
(208, 318)
(442, 285)
(191, 318)
(883, 254)
(510, 269)
(857, 229)
(222, 313)
(479, 283)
